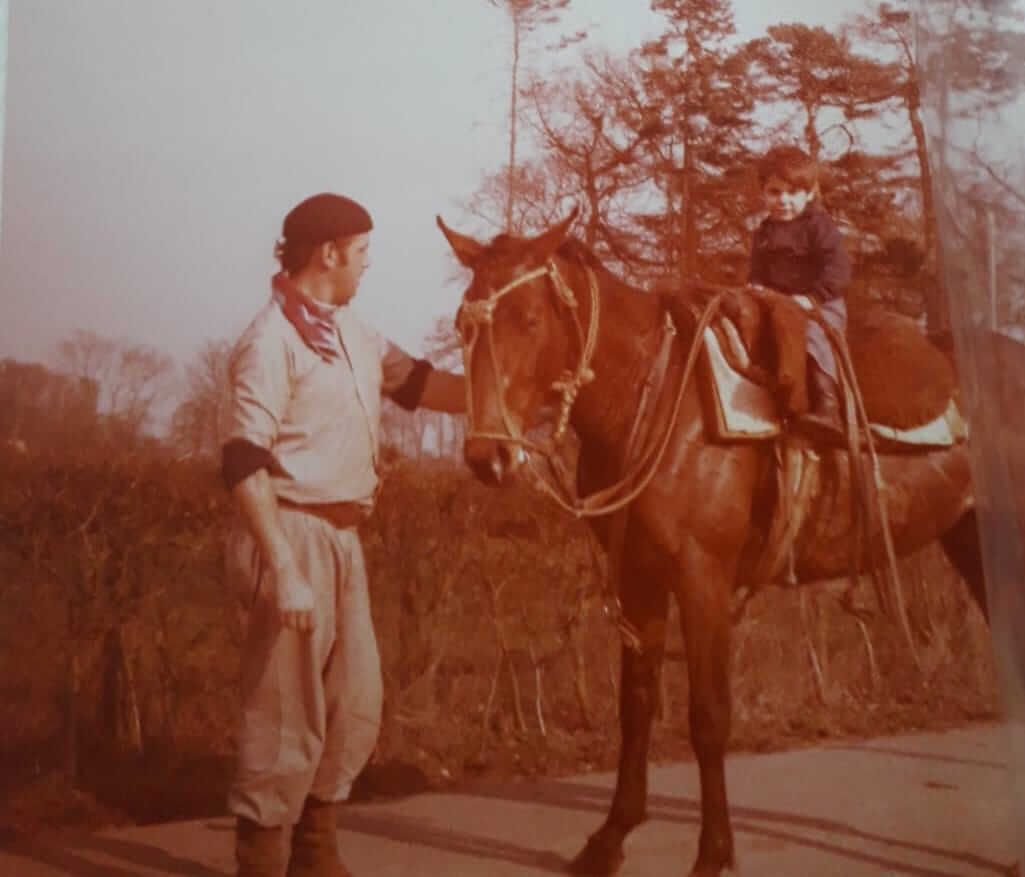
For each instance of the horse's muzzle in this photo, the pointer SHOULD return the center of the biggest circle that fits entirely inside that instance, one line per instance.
(492, 460)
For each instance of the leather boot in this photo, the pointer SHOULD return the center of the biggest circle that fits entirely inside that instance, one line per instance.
(825, 420)
(315, 842)
(259, 851)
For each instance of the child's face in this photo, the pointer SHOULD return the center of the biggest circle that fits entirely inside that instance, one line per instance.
(783, 200)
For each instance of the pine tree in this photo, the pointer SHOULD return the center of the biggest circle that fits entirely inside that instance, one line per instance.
(701, 159)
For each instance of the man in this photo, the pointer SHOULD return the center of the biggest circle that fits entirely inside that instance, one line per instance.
(302, 461)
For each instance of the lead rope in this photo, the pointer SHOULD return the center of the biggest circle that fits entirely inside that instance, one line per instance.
(595, 504)
(571, 383)
(604, 501)
(599, 503)
(856, 416)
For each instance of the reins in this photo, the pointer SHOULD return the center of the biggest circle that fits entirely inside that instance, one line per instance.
(569, 383)
(866, 489)
(871, 488)
(638, 469)
(641, 473)
(638, 474)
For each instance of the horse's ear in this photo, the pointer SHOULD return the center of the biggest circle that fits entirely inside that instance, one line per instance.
(466, 248)
(545, 244)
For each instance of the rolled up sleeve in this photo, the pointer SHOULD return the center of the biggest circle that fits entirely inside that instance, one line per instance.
(259, 374)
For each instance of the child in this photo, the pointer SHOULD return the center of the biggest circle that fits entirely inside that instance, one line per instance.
(798, 250)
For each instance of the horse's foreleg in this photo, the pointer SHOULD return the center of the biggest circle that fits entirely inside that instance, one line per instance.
(705, 620)
(645, 608)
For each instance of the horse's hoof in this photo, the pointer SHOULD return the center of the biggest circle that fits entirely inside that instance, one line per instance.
(597, 859)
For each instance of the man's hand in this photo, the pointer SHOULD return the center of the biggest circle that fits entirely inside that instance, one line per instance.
(293, 597)
(291, 594)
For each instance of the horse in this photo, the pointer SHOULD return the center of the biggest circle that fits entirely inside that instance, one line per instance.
(545, 327)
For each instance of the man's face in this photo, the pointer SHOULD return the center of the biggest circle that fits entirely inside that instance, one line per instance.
(784, 201)
(353, 258)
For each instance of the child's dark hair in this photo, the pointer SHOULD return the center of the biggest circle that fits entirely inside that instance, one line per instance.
(792, 165)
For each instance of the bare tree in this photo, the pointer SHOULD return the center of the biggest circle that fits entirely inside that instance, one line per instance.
(201, 422)
(526, 16)
(541, 196)
(131, 379)
(593, 131)
(443, 346)
(444, 350)
(45, 410)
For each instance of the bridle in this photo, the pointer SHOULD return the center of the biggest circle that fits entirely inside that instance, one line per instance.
(481, 312)
(637, 472)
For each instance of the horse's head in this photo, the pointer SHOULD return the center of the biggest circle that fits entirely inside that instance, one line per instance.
(516, 327)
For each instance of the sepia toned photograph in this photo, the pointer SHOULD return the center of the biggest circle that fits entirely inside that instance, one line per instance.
(512, 437)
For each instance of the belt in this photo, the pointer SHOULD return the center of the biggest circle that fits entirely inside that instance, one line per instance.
(342, 515)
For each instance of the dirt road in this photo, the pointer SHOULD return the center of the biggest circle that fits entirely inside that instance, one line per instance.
(930, 805)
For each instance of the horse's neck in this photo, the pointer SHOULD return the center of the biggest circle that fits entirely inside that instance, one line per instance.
(629, 324)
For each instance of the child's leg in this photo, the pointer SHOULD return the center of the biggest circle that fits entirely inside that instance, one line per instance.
(826, 414)
(819, 347)
(824, 419)
(824, 392)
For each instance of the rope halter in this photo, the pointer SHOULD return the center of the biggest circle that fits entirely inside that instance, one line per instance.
(638, 472)
(481, 312)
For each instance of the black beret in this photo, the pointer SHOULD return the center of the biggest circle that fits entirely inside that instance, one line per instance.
(325, 217)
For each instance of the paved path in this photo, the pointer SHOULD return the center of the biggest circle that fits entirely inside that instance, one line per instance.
(929, 805)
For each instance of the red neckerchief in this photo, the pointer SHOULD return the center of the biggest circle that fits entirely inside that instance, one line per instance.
(312, 320)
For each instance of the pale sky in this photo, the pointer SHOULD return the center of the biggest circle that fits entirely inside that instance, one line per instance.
(152, 149)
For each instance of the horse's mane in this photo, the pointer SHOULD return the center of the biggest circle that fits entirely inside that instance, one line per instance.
(695, 293)
(697, 290)
(682, 300)
(580, 254)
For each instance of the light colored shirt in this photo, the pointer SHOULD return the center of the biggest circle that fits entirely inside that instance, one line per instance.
(319, 419)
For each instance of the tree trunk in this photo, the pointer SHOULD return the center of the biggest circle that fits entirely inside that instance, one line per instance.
(937, 315)
(593, 201)
(811, 134)
(511, 195)
(690, 235)
(120, 721)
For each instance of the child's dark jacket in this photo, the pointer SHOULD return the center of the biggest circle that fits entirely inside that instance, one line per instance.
(804, 256)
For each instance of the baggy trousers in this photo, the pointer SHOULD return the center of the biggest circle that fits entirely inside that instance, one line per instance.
(311, 703)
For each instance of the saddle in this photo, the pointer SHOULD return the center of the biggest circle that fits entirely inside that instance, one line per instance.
(757, 373)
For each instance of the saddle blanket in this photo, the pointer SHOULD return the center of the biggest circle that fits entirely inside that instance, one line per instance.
(746, 410)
